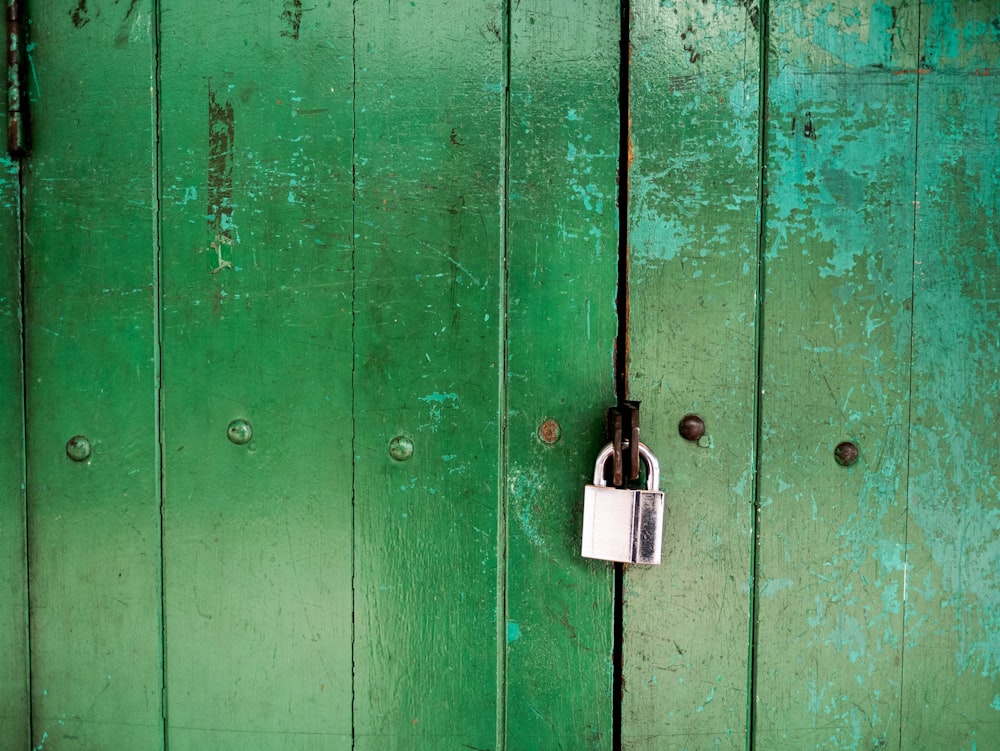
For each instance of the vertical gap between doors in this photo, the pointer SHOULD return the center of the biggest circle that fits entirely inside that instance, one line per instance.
(622, 343)
(18, 144)
(158, 353)
(762, 156)
(354, 365)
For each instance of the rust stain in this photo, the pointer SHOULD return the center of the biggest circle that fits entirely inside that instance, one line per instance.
(549, 431)
(221, 138)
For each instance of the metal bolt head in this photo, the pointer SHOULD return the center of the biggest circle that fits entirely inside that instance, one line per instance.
(401, 448)
(240, 432)
(549, 432)
(691, 427)
(78, 448)
(846, 453)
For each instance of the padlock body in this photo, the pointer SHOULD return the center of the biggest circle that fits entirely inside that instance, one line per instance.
(622, 525)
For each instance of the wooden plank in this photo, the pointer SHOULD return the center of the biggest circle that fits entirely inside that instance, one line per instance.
(562, 260)
(841, 130)
(256, 193)
(951, 662)
(428, 377)
(693, 277)
(89, 239)
(14, 718)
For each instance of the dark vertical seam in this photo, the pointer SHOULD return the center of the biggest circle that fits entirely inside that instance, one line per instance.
(158, 353)
(624, 165)
(354, 365)
(762, 196)
(618, 681)
(909, 385)
(621, 345)
(503, 396)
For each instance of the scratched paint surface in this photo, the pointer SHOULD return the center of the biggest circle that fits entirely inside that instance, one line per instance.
(693, 248)
(838, 255)
(426, 317)
(951, 657)
(562, 269)
(256, 200)
(93, 526)
(13, 575)
(336, 270)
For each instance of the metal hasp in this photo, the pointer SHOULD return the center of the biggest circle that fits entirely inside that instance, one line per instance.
(622, 429)
(17, 103)
(623, 525)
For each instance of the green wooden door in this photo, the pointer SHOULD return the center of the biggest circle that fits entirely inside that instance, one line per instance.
(290, 273)
(815, 261)
(309, 327)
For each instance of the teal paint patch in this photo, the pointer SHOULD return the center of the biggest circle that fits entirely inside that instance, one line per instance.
(942, 34)
(842, 144)
(439, 398)
(675, 213)
(843, 32)
(513, 631)
(771, 587)
(524, 490)
(654, 235)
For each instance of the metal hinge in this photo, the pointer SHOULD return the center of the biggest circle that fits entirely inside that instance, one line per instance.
(17, 101)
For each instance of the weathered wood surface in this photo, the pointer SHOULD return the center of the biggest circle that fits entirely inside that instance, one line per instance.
(694, 84)
(375, 229)
(873, 588)
(951, 647)
(14, 702)
(838, 259)
(257, 280)
(560, 307)
(428, 257)
(89, 238)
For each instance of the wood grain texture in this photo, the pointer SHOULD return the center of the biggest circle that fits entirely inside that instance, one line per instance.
(694, 85)
(14, 717)
(427, 321)
(951, 656)
(562, 239)
(89, 238)
(256, 286)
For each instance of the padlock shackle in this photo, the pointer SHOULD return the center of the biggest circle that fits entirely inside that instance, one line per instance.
(652, 466)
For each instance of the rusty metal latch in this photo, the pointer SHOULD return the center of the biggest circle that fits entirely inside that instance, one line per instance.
(623, 434)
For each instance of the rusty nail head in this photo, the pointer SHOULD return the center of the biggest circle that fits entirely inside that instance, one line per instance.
(550, 432)
(846, 453)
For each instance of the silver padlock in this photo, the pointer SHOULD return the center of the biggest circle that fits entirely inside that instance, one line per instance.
(623, 525)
